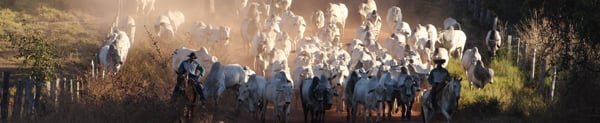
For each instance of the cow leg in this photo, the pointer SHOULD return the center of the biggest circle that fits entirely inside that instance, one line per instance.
(365, 114)
(264, 110)
(354, 112)
(305, 113)
(379, 112)
(409, 113)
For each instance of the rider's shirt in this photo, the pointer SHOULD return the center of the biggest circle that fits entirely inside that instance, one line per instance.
(438, 75)
(191, 67)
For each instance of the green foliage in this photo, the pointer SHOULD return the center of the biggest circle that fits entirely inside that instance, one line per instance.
(36, 54)
(509, 95)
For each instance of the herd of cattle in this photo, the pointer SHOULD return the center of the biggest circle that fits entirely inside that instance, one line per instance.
(361, 72)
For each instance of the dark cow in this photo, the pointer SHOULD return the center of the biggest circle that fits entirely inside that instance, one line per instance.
(317, 94)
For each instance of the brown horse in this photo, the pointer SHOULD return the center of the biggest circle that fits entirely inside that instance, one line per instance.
(185, 97)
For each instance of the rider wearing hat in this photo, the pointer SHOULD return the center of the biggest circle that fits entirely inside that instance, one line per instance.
(194, 71)
(439, 76)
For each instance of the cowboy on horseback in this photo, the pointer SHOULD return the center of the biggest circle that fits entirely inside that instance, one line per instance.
(194, 71)
(438, 78)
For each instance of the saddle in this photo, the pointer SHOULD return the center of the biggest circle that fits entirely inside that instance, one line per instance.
(439, 87)
(438, 90)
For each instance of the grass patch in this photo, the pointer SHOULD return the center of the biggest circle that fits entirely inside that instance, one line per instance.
(509, 95)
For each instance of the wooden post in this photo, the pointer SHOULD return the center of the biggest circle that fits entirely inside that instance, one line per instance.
(553, 84)
(543, 76)
(5, 95)
(77, 90)
(509, 43)
(518, 56)
(53, 90)
(531, 77)
(524, 55)
(29, 100)
(93, 70)
(18, 100)
(71, 90)
(37, 96)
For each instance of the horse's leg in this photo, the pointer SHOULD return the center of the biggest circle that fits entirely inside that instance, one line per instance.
(446, 114)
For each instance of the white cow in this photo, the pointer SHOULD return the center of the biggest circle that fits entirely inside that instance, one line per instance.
(278, 92)
(395, 44)
(433, 37)
(365, 8)
(318, 20)
(454, 41)
(394, 17)
(223, 77)
(169, 22)
(374, 18)
(443, 53)
(479, 75)
(370, 93)
(294, 26)
(145, 6)
(114, 51)
(284, 43)
(251, 94)
(250, 28)
(337, 13)
(329, 33)
(201, 32)
(451, 22)
(277, 62)
(219, 37)
(468, 58)
(261, 46)
(281, 6)
(402, 28)
(493, 41)
(419, 37)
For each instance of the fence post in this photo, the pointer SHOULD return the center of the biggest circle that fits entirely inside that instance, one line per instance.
(509, 43)
(518, 57)
(523, 65)
(553, 84)
(77, 90)
(18, 100)
(543, 76)
(5, 95)
(28, 98)
(71, 90)
(53, 90)
(93, 70)
(531, 77)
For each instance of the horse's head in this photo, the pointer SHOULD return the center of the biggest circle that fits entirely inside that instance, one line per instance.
(455, 87)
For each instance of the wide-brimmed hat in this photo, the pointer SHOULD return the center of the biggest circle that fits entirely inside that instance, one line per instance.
(192, 55)
(438, 59)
